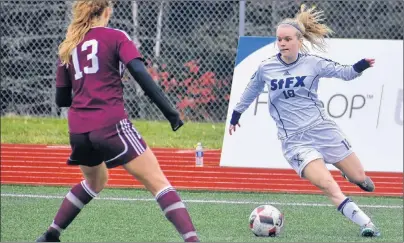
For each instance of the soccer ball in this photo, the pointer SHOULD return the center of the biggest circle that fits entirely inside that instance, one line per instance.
(266, 220)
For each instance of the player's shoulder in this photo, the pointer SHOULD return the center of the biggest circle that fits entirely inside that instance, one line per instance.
(114, 32)
(314, 57)
(269, 61)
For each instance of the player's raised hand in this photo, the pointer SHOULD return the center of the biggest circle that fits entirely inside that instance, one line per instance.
(232, 128)
(363, 64)
(371, 61)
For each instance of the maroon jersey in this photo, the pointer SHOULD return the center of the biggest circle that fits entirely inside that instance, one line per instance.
(94, 73)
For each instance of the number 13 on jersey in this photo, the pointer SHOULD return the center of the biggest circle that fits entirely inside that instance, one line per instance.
(91, 56)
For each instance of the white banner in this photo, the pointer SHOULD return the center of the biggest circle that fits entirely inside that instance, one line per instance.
(369, 109)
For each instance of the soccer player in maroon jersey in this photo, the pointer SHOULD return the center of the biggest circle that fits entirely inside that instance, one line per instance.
(91, 62)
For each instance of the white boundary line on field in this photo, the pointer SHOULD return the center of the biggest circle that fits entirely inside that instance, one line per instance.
(201, 201)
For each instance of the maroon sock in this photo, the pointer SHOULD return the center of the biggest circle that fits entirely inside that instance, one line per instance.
(71, 206)
(177, 214)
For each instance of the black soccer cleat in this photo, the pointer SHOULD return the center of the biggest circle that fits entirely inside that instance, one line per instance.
(48, 237)
(367, 185)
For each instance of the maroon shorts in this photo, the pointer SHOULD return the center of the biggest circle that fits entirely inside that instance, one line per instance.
(115, 145)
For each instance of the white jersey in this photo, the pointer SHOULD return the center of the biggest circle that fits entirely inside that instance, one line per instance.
(292, 90)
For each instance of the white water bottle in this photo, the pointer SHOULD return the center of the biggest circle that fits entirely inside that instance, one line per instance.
(199, 155)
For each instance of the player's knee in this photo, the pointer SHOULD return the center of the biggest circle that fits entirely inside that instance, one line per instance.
(158, 178)
(359, 177)
(328, 186)
(99, 183)
(103, 181)
(98, 186)
(156, 183)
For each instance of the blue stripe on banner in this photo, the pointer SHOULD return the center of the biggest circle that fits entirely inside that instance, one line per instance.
(249, 44)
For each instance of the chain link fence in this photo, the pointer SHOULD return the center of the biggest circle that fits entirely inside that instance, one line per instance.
(190, 47)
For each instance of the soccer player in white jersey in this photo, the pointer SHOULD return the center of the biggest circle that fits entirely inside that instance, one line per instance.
(309, 137)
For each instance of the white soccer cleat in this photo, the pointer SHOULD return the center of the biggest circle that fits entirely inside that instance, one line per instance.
(369, 230)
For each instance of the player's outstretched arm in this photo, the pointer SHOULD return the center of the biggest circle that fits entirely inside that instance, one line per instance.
(253, 89)
(139, 72)
(330, 69)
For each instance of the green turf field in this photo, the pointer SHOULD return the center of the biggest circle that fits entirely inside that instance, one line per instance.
(133, 215)
(156, 133)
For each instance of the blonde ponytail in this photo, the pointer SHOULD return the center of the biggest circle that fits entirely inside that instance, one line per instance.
(83, 13)
(309, 24)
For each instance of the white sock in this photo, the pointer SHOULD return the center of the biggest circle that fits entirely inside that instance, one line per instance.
(353, 212)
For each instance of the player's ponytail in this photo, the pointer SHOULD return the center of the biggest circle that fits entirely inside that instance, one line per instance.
(83, 13)
(314, 31)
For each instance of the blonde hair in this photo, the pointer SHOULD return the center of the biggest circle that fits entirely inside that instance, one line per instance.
(84, 12)
(309, 26)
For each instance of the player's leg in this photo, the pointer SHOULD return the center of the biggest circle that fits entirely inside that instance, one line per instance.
(124, 146)
(146, 169)
(352, 169)
(309, 164)
(318, 174)
(96, 176)
(333, 145)
(338, 151)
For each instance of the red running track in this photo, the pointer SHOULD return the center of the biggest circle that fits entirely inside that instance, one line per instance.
(46, 165)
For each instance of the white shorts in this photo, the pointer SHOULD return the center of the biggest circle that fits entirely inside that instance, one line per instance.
(323, 141)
